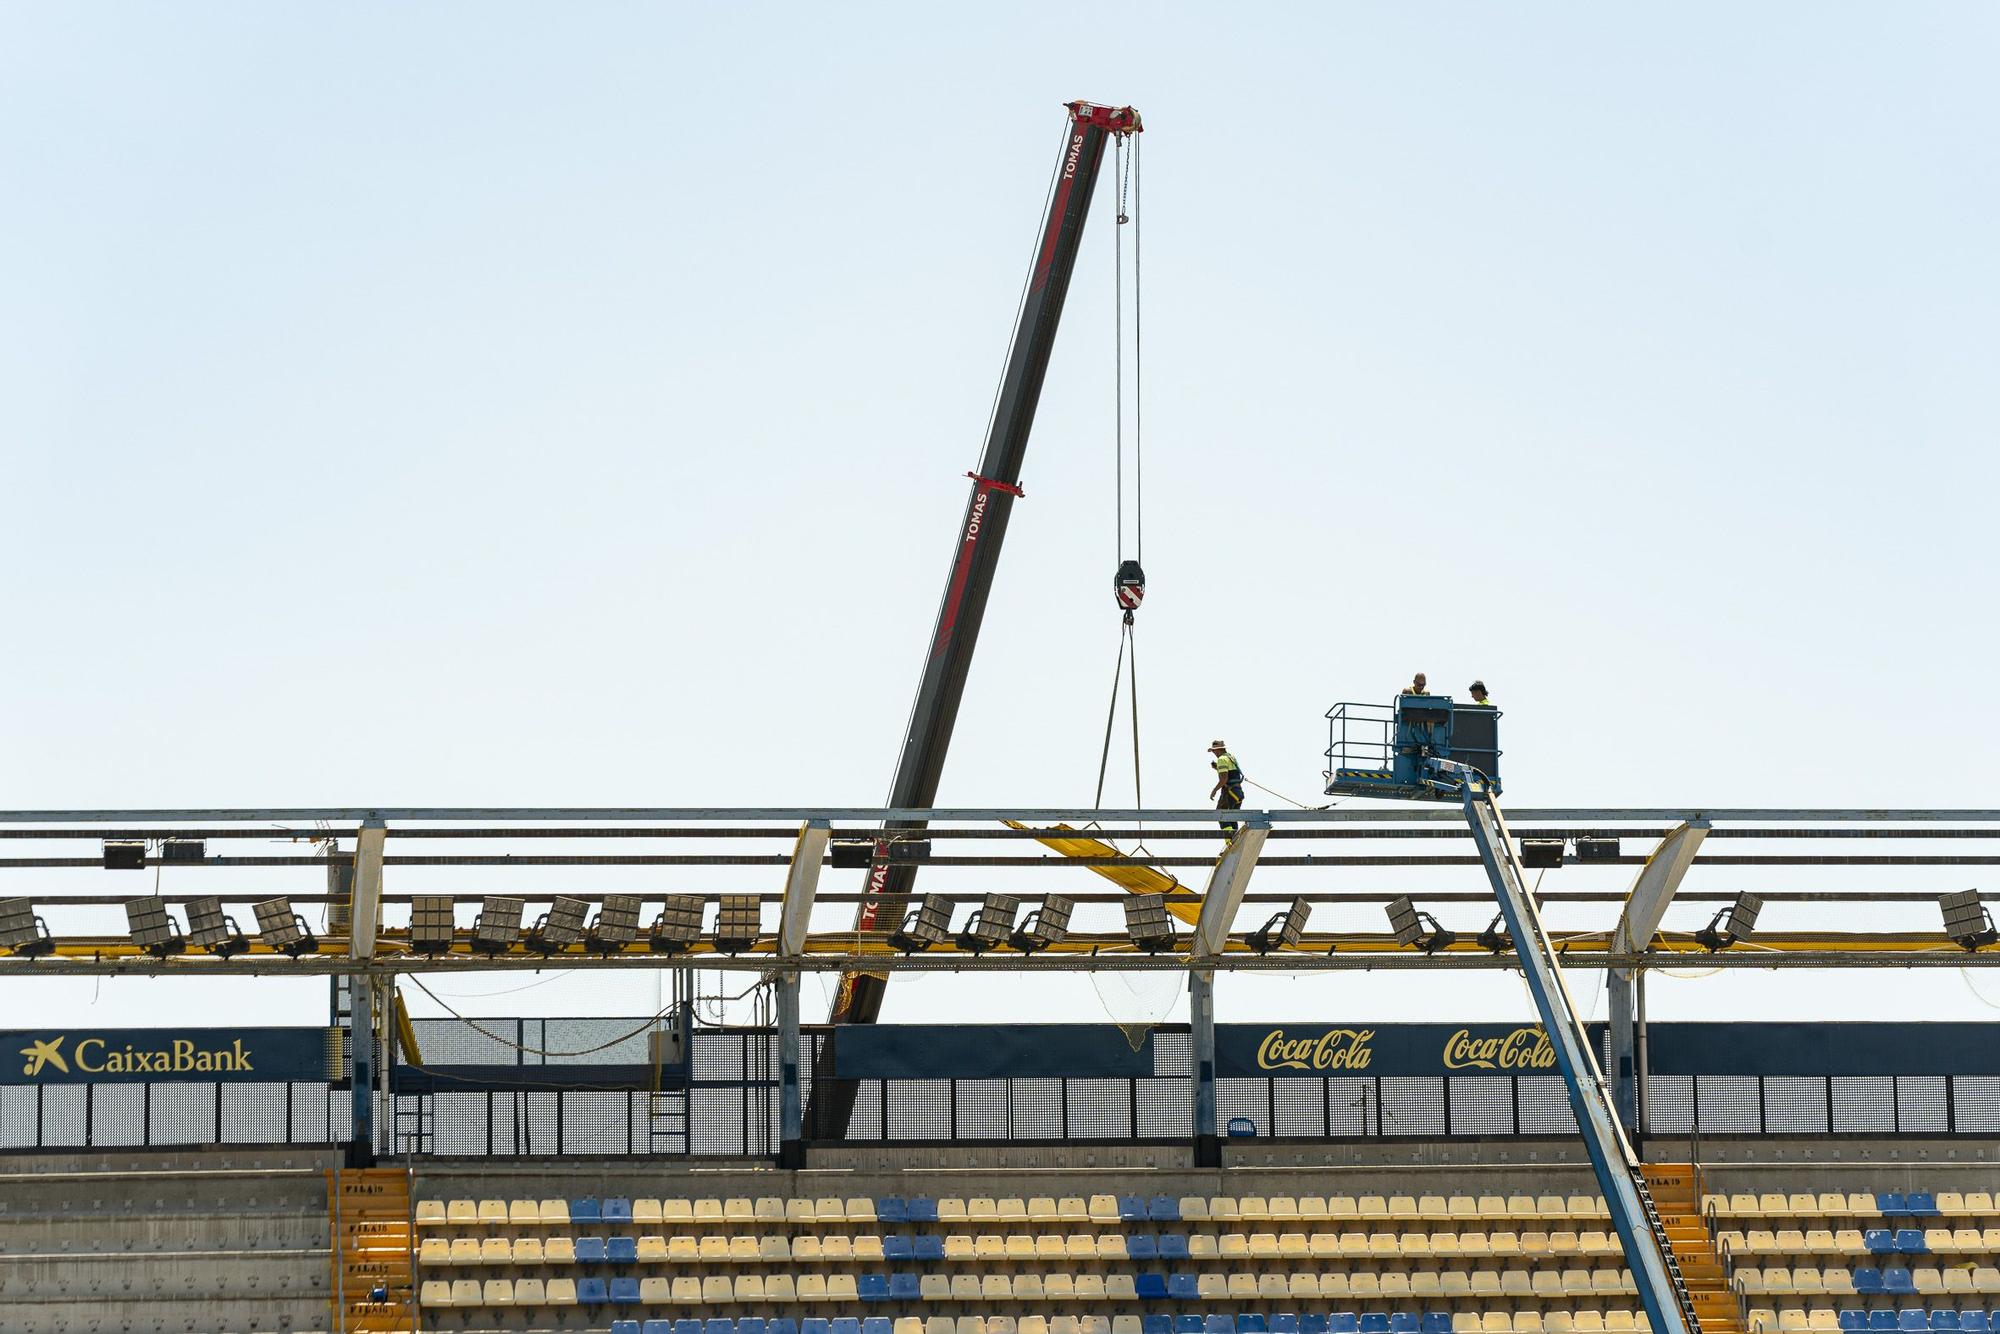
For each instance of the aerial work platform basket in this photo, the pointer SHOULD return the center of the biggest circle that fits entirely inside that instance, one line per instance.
(1390, 750)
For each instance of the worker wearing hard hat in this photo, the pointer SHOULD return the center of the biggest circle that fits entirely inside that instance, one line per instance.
(1228, 789)
(1478, 692)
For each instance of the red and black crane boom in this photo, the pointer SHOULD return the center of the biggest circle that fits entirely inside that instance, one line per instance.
(976, 553)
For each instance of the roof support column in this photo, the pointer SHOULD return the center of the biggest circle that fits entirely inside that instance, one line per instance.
(364, 920)
(1652, 890)
(794, 919)
(1219, 904)
(1201, 1020)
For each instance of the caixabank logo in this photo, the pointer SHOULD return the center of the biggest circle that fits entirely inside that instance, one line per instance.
(151, 1055)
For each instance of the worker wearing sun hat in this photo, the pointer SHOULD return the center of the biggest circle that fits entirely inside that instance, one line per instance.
(1228, 789)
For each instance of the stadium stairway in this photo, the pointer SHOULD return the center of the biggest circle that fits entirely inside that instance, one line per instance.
(368, 1216)
(1679, 1205)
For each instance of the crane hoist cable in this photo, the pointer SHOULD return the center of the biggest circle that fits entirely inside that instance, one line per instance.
(1128, 583)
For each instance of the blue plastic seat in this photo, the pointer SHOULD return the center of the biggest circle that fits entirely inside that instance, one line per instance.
(584, 1211)
(1853, 1321)
(1285, 1324)
(625, 1327)
(889, 1209)
(877, 1324)
(1156, 1324)
(1881, 1320)
(1131, 1209)
(895, 1246)
(1896, 1279)
(687, 1326)
(1342, 1322)
(1867, 1279)
(1374, 1322)
(920, 1209)
(1405, 1322)
(927, 1247)
(1912, 1322)
(1150, 1287)
(718, 1324)
(625, 1291)
(1183, 1288)
(592, 1292)
(1972, 1322)
(1252, 1324)
(1219, 1324)
(1921, 1204)
(1163, 1209)
(1891, 1203)
(621, 1250)
(1142, 1246)
(812, 1324)
(873, 1287)
(1879, 1240)
(616, 1211)
(1173, 1246)
(903, 1287)
(657, 1327)
(750, 1324)
(1312, 1322)
(1188, 1324)
(1910, 1241)
(1946, 1320)
(846, 1324)
(590, 1250)
(783, 1324)
(1437, 1322)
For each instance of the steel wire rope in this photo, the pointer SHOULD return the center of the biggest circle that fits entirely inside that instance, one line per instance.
(474, 1025)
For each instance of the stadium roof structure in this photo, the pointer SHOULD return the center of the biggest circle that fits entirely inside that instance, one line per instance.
(1901, 862)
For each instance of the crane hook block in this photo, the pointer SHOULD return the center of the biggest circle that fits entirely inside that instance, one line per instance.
(1129, 585)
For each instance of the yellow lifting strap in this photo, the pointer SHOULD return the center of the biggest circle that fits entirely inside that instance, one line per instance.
(406, 1032)
(1182, 902)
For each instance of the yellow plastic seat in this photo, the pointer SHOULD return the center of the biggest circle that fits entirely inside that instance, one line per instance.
(765, 1209)
(1527, 1322)
(1253, 1208)
(1020, 1246)
(739, 1210)
(561, 1292)
(965, 1287)
(1059, 1286)
(1462, 1208)
(1394, 1283)
(749, 1287)
(1294, 1245)
(1193, 1209)
(1474, 1244)
(1514, 1283)
(1090, 1287)
(1444, 1245)
(1264, 1245)
(714, 1248)
(1282, 1209)
(1605, 1281)
(868, 1246)
(828, 1209)
(495, 1211)
(496, 1251)
(1822, 1320)
(1042, 1209)
(1465, 1322)
(1302, 1283)
(981, 1209)
(996, 1287)
(1503, 1243)
(1496, 1322)
(675, 1213)
(497, 1292)
(465, 1250)
(908, 1324)
(1120, 1288)
(1104, 1208)
(840, 1288)
(1342, 1208)
(1075, 1209)
(1589, 1322)
(1011, 1210)
(1201, 1246)
(780, 1288)
(1978, 1203)
(956, 1247)
(1028, 1287)
(836, 1248)
(934, 1287)
(716, 1289)
(708, 1211)
(1221, 1208)
(1618, 1322)
(429, 1212)
(1373, 1207)
(461, 1211)
(1546, 1283)
(970, 1324)
(1048, 1246)
(434, 1292)
(1364, 1283)
(434, 1251)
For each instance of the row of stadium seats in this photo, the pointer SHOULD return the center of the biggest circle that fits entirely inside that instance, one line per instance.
(1852, 1241)
(1834, 1204)
(1113, 1246)
(1866, 1281)
(1819, 1320)
(1075, 1208)
(784, 1289)
(1493, 1322)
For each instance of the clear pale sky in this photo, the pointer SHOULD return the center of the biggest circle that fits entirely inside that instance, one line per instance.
(505, 404)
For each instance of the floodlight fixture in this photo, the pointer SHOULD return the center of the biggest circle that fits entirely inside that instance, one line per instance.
(1731, 924)
(1045, 926)
(1966, 920)
(678, 926)
(850, 853)
(1417, 928)
(738, 922)
(1282, 930)
(1541, 854)
(284, 930)
(990, 924)
(617, 924)
(183, 850)
(153, 929)
(22, 933)
(124, 854)
(213, 929)
(434, 925)
(1148, 924)
(560, 927)
(1495, 937)
(1597, 848)
(928, 924)
(498, 925)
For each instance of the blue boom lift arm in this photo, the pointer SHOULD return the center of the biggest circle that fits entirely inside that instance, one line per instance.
(1416, 759)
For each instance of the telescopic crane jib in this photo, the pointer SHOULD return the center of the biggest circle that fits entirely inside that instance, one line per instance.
(996, 485)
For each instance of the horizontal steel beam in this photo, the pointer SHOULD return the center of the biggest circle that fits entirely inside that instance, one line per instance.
(795, 815)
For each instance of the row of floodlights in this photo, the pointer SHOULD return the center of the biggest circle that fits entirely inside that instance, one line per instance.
(678, 928)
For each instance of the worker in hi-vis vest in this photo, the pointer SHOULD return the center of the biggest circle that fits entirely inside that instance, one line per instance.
(1478, 692)
(1228, 789)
